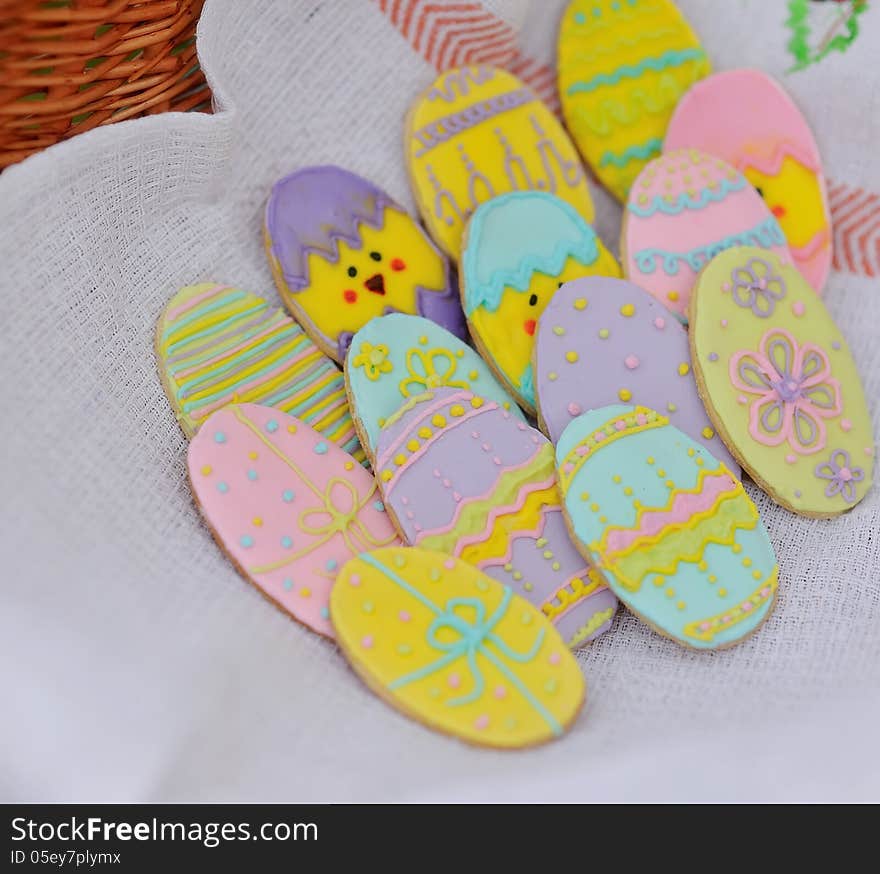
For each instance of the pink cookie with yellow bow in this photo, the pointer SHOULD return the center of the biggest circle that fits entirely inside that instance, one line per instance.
(289, 507)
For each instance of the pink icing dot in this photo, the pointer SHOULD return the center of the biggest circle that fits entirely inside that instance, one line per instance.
(354, 580)
(456, 497)
(798, 308)
(475, 435)
(496, 460)
(582, 450)
(486, 447)
(536, 439)
(404, 501)
(367, 641)
(762, 282)
(416, 527)
(845, 425)
(746, 605)
(449, 564)
(620, 425)
(574, 409)
(436, 473)
(725, 619)
(790, 459)
(631, 362)
(454, 681)
(521, 425)
(447, 484)
(554, 658)
(481, 722)
(640, 419)
(410, 515)
(724, 323)
(845, 474)
(599, 435)
(569, 467)
(726, 287)
(742, 399)
(505, 414)
(765, 591)
(500, 692)
(660, 323)
(705, 626)
(404, 616)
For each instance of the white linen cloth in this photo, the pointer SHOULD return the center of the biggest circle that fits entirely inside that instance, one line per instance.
(137, 665)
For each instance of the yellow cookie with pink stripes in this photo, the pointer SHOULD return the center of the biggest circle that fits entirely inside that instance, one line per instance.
(216, 344)
(454, 649)
(286, 505)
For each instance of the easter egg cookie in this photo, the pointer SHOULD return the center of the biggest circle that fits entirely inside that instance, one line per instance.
(479, 132)
(519, 248)
(396, 357)
(461, 475)
(684, 209)
(623, 65)
(602, 341)
(216, 344)
(289, 507)
(342, 251)
(780, 383)
(672, 530)
(454, 649)
(746, 118)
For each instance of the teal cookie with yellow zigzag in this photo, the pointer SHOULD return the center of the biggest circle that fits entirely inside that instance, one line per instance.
(676, 536)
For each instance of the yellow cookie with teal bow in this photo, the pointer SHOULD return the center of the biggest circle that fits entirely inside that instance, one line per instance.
(519, 250)
(623, 66)
(454, 649)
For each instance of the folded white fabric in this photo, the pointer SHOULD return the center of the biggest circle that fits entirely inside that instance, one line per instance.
(137, 665)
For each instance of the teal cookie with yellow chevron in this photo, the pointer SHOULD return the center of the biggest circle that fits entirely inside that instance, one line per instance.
(623, 66)
(676, 536)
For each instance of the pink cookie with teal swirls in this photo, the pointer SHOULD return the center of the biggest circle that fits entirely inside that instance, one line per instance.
(463, 476)
(289, 507)
(683, 209)
(780, 383)
(605, 341)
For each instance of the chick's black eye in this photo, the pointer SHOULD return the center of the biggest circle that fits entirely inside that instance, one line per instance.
(759, 190)
(352, 271)
(533, 300)
(560, 284)
(375, 256)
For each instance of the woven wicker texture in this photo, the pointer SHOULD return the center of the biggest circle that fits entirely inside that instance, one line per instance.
(67, 66)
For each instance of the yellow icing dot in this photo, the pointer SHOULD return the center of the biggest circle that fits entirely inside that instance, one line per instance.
(616, 478)
(722, 593)
(476, 403)
(691, 451)
(747, 562)
(558, 330)
(386, 475)
(252, 456)
(757, 574)
(737, 548)
(684, 368)
(413, 445)
(547, 553)
(681, 605)
(506, 405)
(627, 491)
(585, 496)
(349, 465)
(703, 566)
(423, 340)
(206, 470)
(625, 394)
(670, 484)
(650, 459)
(594, 508)
(424, 433)
(456, 410)
(672, 295)
(708, 433)
(671, 407)
(670, 592)
(713, 578)
(306, 593)
(257, 520)
(660, 472)
(580, 303)
(382, 422)
(291, 429)
(473, 375)
(552, 376)
(438, 421)
(627, 310)
(399, 459)
(571, 357)
(659, 581)
(459, 353)
(604, 333)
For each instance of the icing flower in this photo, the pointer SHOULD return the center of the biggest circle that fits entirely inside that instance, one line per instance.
(428, 370)
(841, 476)
(794, 391)
(757, 287)
(373, 359)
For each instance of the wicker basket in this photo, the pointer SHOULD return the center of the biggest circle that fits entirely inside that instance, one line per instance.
(67, 66)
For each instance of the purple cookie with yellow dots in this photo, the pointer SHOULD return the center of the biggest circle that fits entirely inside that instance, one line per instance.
(603, 341)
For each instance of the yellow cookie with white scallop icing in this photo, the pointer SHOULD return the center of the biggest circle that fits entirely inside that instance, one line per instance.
(454, 649)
